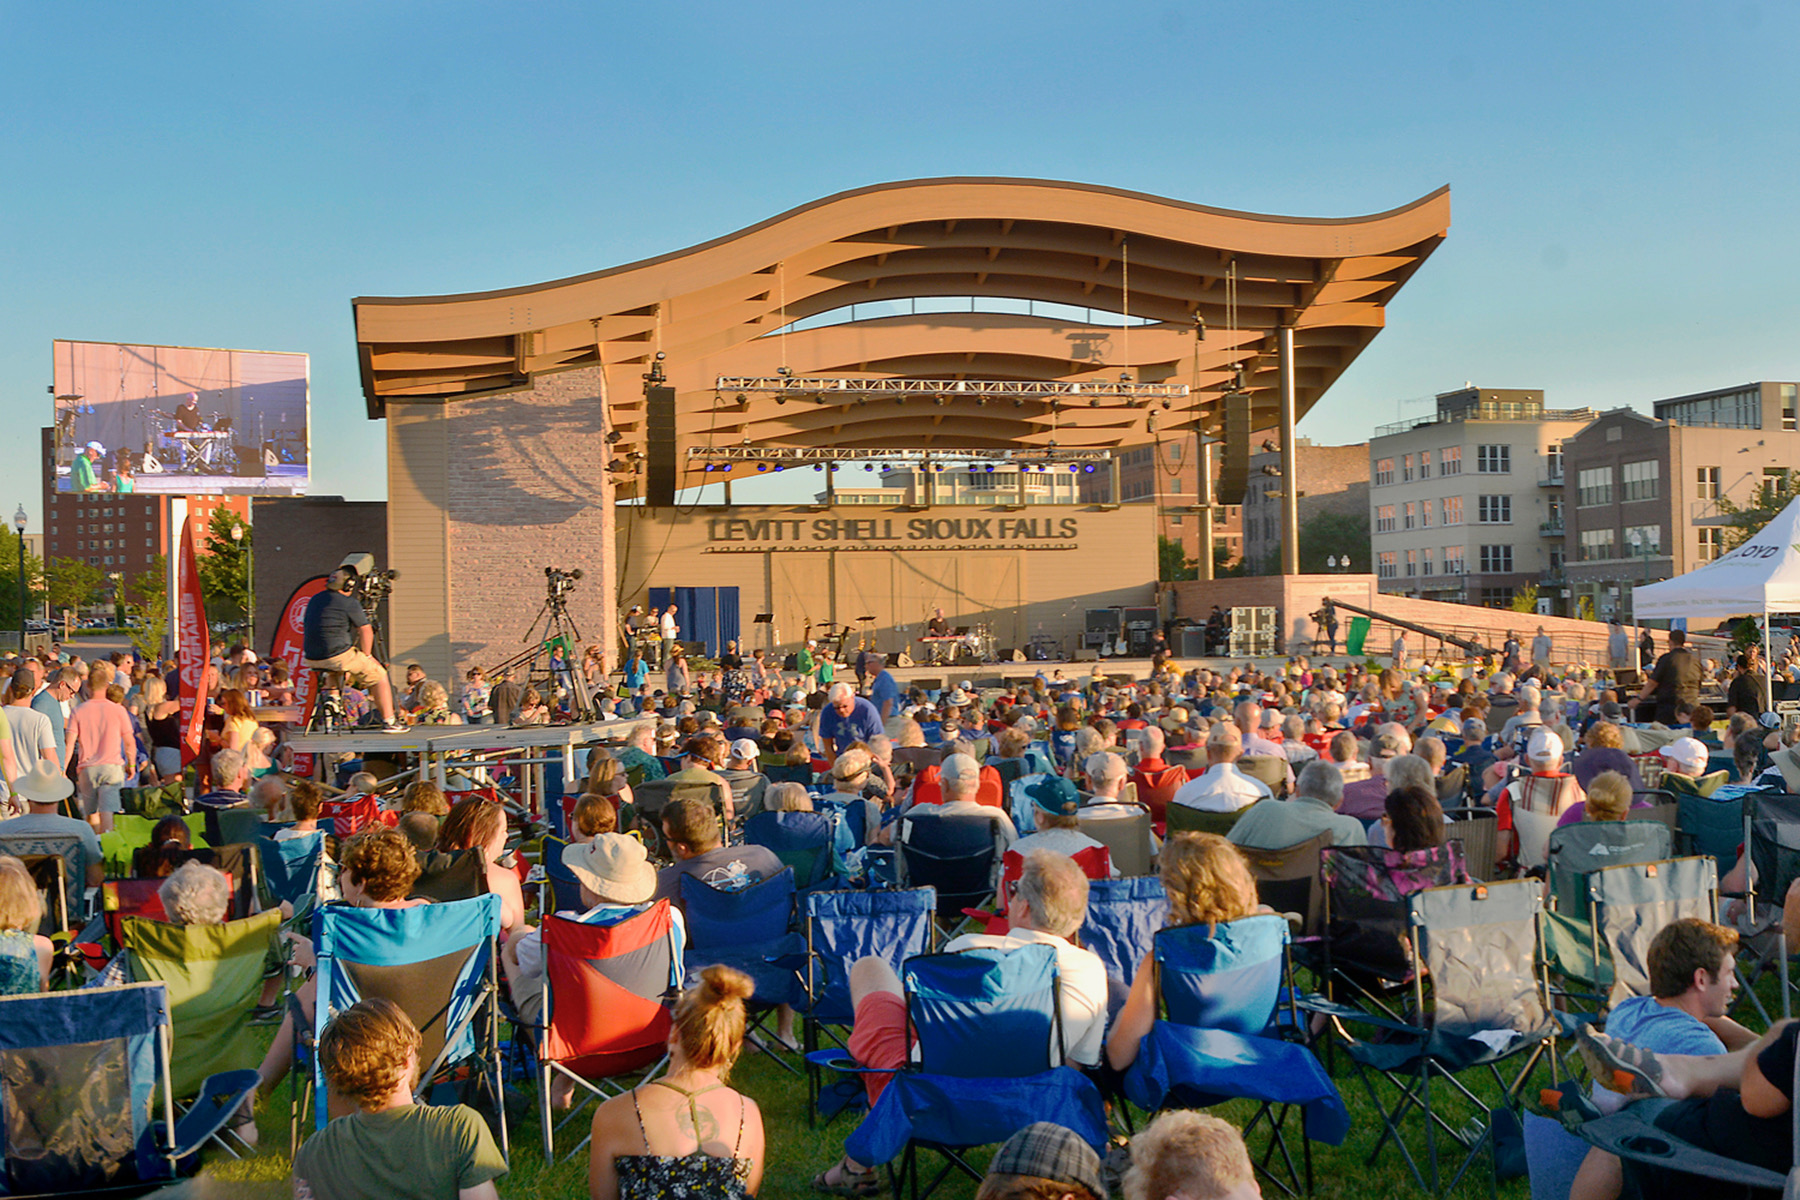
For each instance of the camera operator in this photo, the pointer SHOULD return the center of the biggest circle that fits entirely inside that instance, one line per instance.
(339, 637)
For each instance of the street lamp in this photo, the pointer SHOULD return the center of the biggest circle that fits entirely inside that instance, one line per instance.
(237, 535)
(19, 524)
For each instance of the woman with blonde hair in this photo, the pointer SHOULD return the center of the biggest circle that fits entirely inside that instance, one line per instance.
(788, 797)
(686, 1132)
(1191, 1155)
(24, 952)
(1208, 883)
(1608, 799)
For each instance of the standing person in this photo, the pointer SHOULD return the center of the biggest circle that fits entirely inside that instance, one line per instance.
(668, 630)
(846, 718)
(1675, 679)
(1326, 619)
(1540, 650)
(55, 698)
(1400, 650)
(102, 747)
(1618, 646)
(32, 736)
(1746, 694)
(338, 637)
(636, 670)
(678, 678)
(1512, 655)
(475, 693)
(504, 698)
(1646, 649)
(884, 692)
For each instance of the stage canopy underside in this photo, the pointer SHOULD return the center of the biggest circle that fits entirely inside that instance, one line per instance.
(1213, 285)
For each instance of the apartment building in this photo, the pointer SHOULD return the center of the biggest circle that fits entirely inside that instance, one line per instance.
(1465, 506)
(1641, 493)
(1167, 474)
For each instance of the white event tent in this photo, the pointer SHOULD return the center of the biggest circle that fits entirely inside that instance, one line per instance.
(1762, 576)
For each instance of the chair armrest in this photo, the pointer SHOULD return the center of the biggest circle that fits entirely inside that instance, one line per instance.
(1345, 1012)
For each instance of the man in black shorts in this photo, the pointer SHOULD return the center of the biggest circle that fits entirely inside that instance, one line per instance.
(338, 637)
(1738, 1105)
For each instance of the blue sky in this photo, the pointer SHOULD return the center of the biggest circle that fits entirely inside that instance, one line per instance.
(1622, 176)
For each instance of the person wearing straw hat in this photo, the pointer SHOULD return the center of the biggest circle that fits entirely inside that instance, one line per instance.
(43, 788)
(617, 882)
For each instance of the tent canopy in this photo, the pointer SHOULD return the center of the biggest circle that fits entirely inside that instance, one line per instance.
(1760, 576)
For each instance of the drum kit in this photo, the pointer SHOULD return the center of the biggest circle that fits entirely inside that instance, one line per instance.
(967, 645)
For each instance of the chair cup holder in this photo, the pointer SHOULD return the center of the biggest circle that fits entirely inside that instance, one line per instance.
(1641, 1143)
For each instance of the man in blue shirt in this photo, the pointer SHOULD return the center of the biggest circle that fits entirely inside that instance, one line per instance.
(884, 693)
(847, 718)
(338, 637)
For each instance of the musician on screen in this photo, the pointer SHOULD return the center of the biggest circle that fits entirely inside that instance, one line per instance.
(339, 637)
(187, 414)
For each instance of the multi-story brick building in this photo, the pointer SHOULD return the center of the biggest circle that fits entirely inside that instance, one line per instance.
(117, 534)
(1166, 474)
(1640, 501)
(1466, 505)
(1327, 479)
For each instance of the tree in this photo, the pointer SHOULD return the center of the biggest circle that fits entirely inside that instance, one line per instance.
(1172, 561)
(1335, 534)
(72, 584)
(1525, 599)
(9, 580)
(1771, 496)
(225, 568)
(146, 600)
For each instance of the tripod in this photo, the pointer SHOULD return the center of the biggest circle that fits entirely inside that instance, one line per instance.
(559, 628)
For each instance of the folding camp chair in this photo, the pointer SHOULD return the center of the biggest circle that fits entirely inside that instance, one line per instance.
(1478, 829)
(214, 974)
(1772, 844)
(988, 1061)
(1633, 902)
(839, 928)
(1127, 839)
(86, 1073)
(1540, 801)
(750, 930)
(1708, 826)
(348, 816)
(1574, 853)
(1488, 1005)
(954, 855)
(654, 795)
(607, 992)
(1180, 818)
(1156, 788)
(457, 875)
(291, 867)
(1218, 991)
(1365, 956)
(166, 799)
(50, 874)
(1452, 785)
(801, 840)
(562, 891)
(801, 773)
(1191, 758)
(1269, 769)
(1121, 921)
(66, 846)
(438, 962)
(1287, 880)
(233, 825)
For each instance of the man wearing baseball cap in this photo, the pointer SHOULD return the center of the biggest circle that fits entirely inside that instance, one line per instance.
(1684, 768)
(83, 473)
(1055, 804)
(617, 882)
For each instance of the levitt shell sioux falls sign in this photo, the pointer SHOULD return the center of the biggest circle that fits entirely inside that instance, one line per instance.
(750, 535)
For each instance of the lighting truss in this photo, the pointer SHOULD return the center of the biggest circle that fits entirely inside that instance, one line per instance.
(812, 454)
(828, 389)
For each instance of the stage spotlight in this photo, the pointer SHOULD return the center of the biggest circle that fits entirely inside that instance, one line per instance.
(868, 466)
(1089, 468)
(781, 399)
(818, 466)
(990, 468)
(1073, 468)
(762, 467)
(613, 436)
(1094, 403)
(1167, 405)
(743, 399)
(778, 467)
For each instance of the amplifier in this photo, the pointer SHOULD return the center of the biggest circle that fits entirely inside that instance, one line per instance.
(1103, 620)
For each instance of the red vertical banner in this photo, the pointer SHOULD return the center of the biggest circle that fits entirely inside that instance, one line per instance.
(288, 646)
(196, 646)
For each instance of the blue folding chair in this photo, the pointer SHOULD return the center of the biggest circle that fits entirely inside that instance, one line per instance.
(85, 1072)
(290, 867)
(564, 890)
(1119, 926)
(987, 1063)
(1219, 1038)
(750, 930)
(439, 963)
(1709, 826)
(956, 855)
(838, 928)
(801, 840)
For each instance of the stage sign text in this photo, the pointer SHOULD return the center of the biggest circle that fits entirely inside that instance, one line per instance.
(888, 533)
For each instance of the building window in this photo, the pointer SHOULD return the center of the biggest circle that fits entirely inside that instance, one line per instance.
(1406, 468)
(1788, 406)
(1594, 486)
(1774, 479)
(1425, 514)
(1493, 460)
(1733, 410)
(1453, 510)
(1384, 472)
(1425, 561)
(1424, 464)
(1453, 560)
(1638, 480)
(1706, 483)
(1496, 560)
(1412, 563)
(1450, 461)
(1643, 539)
(1384, 519)
(1409, 517)
(1495, 510)
(1597, 545)
(1385, 567)
(1710, 545)
(1496, 597)
(1553, 460)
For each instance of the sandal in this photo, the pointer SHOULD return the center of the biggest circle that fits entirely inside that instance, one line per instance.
(850, 1183)
(1620, 1066)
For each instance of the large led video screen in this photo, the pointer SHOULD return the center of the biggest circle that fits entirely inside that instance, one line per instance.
(180, 419)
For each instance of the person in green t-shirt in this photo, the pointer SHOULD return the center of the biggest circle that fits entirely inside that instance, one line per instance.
(391, 1149)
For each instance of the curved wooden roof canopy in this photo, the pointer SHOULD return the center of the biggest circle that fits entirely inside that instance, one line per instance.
(716, 309)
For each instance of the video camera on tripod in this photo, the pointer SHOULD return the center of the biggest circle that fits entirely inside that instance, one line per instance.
(559, 584)
(371, 586)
